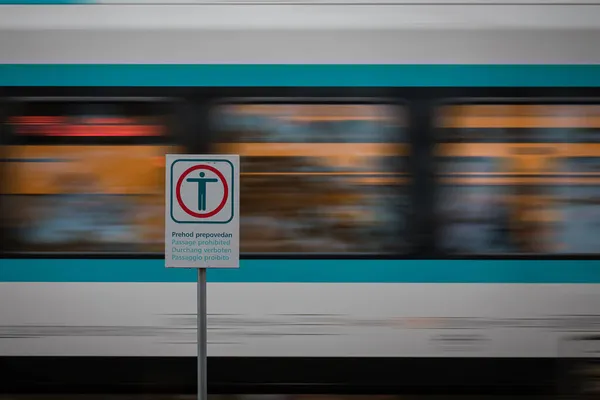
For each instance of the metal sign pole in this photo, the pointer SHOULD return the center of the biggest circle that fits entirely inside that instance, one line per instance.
(202, 226)
(202, 333)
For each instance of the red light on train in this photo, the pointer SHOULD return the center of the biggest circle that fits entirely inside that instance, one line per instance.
(36, 120)
(89, 127)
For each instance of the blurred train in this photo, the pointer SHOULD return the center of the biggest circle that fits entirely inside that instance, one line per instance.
(419, 197)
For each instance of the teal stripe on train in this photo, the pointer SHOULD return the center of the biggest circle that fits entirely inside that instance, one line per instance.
(299, 75)
(375, 271)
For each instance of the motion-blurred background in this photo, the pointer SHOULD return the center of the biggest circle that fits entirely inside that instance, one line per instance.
(420, 188)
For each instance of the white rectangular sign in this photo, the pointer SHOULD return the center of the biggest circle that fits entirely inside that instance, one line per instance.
(202, 211)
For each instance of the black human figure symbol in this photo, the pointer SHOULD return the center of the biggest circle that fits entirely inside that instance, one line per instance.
(202, 182)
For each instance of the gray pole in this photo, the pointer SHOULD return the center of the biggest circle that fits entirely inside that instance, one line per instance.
(202, 336)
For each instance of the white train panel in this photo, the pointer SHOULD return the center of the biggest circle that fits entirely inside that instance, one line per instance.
(299, 47)
(296, 319)
(300, 16)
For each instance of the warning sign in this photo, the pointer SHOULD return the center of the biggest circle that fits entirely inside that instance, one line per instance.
(202, 211)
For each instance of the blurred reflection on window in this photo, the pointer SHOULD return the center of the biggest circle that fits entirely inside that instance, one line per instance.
(519, 178)
(72, 188)
(318, 178)
(87, 198)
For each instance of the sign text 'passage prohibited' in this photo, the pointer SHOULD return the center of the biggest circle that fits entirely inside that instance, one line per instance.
(202, 211)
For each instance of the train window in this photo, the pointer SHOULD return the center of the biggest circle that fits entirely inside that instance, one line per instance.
(86, 176)
(519, 178)
(317, 177)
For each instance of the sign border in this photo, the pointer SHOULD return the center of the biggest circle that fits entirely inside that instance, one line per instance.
(232, 191)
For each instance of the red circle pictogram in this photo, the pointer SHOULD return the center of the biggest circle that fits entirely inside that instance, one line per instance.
(221, 179)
